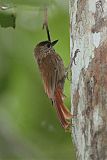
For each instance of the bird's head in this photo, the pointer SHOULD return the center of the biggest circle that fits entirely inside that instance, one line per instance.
(44, 47)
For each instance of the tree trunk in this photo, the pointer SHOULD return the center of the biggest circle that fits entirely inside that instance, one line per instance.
(89, 78)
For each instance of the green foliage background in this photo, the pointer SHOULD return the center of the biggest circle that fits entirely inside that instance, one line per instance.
(29, 128)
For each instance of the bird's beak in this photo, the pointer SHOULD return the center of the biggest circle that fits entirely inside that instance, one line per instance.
(54, 42)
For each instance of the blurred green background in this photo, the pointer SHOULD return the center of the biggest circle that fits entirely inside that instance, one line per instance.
(29, 128)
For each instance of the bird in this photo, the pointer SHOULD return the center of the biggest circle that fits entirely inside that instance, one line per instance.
(53, 74)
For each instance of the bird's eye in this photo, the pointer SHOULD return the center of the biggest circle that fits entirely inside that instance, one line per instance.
(48, 45)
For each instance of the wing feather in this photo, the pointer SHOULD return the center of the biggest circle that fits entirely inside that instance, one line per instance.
(53, 72)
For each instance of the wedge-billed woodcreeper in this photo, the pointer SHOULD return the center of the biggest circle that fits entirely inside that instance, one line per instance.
(53, 75)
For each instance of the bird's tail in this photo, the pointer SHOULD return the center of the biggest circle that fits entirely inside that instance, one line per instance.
(64, 114)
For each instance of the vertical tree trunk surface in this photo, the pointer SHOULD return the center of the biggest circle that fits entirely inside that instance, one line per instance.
(88, 20)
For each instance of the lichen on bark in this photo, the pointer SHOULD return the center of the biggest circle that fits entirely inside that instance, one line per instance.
(89, 79)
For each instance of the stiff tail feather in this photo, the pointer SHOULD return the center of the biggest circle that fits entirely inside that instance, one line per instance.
(63, 113)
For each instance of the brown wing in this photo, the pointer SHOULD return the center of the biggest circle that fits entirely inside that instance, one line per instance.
(53, 72)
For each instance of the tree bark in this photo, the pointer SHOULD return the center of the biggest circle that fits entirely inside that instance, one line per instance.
(88, 22)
